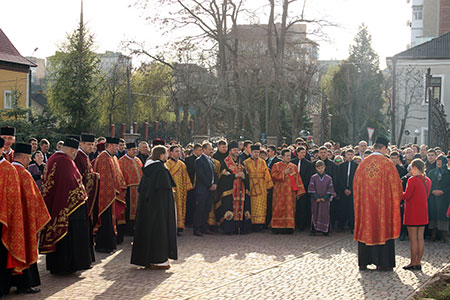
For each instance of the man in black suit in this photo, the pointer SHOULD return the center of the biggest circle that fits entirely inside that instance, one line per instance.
(190, 166)
(395, 158)
(45, 149)
(306, 170)
(246, 151)
(205, 185)
(271, 160)
(344, 186)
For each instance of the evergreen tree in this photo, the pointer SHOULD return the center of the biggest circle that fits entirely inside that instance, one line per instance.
(355, 92)
(73, 82)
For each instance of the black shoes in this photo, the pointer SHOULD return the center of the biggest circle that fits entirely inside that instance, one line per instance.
(413, 268)
(30, 290)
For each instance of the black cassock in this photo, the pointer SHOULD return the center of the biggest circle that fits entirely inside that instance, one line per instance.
(155, 236)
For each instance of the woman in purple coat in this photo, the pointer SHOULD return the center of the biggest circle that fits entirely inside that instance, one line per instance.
(36, 168)
(321, 190)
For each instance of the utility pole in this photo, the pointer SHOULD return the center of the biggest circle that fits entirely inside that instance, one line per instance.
(393, 104)
(130, 112)
(430, 106)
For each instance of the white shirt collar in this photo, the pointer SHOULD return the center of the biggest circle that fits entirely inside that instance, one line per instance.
(18, 164)
(150, 162)
(81, 150)
(376, 153)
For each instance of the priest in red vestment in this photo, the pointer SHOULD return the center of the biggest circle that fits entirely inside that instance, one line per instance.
(12, 246)
(131, 168)
(91, 181)
(377, 193)
(288, 187)
(35, 215)
(65, 239)
(111, 199)
(8, 134)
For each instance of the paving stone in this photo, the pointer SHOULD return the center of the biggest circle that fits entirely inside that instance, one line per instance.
(254, 266)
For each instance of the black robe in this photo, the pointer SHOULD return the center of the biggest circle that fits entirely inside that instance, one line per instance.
(5, 274)
(73, 251)
(155, 236)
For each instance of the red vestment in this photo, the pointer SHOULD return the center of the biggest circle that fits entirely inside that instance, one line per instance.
(35, 213)
(9, 156)
(91, 179)
(377, 190)
(132, 173)
(63, 192)
(285, 195)
(11, 217)
(112, 187)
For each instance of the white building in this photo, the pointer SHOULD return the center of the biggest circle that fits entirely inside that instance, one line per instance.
(411, 107)
(429, 19)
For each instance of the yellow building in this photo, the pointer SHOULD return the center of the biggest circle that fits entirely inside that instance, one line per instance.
(15, 76)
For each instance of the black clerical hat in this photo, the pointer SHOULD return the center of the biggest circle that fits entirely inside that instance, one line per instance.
(8, 130)
(158, 141)
(255, 147)
(87, 137)
(71, 142)
(232, 145)
(2, 142)
(22, 148)
(112, 140)
(382, 140)
(131, 145)
(75, 137)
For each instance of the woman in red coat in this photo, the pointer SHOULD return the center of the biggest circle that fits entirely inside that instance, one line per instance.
(416, 211)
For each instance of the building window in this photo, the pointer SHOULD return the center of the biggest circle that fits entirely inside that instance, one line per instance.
(417, 12)
(8, 100)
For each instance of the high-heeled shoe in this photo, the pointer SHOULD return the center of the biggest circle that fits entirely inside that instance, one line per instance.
(409, 267)
(418, 267)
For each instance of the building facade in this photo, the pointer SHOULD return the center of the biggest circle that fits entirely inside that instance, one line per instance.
(409, 78)
(15, 76)
(430, 19)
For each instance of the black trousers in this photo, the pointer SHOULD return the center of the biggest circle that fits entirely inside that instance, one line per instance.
(203, 202)
(335, 208)
(105, 238)
(303, 212)
(269, 207)
(346, 213)
(129, 230)
(190, 208)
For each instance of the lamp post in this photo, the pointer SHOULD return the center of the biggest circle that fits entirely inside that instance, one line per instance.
(430, 106)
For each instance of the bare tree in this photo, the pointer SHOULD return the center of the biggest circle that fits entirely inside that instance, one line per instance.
(410, 85)
(114, 83)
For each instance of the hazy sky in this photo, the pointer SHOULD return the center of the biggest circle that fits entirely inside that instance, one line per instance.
(44, 24)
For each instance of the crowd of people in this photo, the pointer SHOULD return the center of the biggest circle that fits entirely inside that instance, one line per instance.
(91, 191)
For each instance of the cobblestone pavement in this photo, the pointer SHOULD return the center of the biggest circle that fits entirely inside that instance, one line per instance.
(255, 266)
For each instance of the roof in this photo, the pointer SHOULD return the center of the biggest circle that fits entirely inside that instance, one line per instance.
(39, 98)
(9, 53)
(437, 48)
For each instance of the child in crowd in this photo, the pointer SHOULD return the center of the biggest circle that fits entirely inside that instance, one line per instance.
(321, 190)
